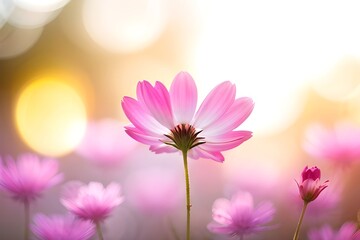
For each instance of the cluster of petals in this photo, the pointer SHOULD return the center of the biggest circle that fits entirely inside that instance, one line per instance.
(59, 227)
(340, 144)
(158, 111)
(101, 143)
(310, 186)
(28, 177)
(238, 217)
(93, 201)
(348, 231)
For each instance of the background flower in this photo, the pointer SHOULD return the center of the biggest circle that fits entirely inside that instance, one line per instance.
(346, 232)
(27, 178)
(93, 201)
(59, 227)
(238, 216)
(106, 143)
(339, 145)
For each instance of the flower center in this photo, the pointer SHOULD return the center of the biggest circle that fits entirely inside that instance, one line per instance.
(184, 137)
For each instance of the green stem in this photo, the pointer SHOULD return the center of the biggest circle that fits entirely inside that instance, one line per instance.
(27, 220)
(188, 202)
(98, 230)
(296, 235)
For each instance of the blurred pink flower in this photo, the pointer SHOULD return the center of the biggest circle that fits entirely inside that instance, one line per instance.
(341, 145)
(348, 231)
(238, 217)
(93, 201)
(59, 227)
(27, 178)
(106, 143)
(310, 186)
(154, 191)
(166, 120)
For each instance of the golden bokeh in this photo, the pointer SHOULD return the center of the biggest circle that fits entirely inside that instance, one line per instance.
(50, 116)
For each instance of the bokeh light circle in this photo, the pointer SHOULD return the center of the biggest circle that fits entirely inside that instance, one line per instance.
(6, 7)
(16, 41)
(23, 18)
(124, 26)
(40, 5)
(50, 116)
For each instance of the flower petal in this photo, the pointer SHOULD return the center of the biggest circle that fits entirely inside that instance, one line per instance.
(264, 212)
(226, 141)
(140, 118)
(183, 95)
(346, 231)
(242, 203)
(235, 115)
(216, 103)
(162, 148)
(220, 229)
(198, 152)
(221, 211)
(157, 101)
(324, 233)
(141, 136)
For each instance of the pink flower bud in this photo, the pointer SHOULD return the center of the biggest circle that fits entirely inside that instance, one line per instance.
(313, 173)
(310, 186)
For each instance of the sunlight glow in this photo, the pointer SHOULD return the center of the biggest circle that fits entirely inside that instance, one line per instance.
(50, 116)
(342, 82)
(273, 50)
(124, 26)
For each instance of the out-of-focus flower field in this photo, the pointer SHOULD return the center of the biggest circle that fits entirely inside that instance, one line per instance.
(66, 66)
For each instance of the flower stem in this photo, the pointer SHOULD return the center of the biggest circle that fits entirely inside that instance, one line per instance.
(296, 235)
(188, 202)
(27, 219)
(98, 230)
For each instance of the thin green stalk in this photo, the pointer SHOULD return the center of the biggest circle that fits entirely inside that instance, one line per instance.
(188, 202)
(98, 230)
(27, 220)
(296, 235)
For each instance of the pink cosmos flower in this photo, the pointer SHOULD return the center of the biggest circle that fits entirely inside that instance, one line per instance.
(105, 143)
(341, 145)
(27, 178)
(348, 231)
(166, 119)
(238, 217)
(310, 186)
(58, 227)
(91, 202)
(154, 191)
